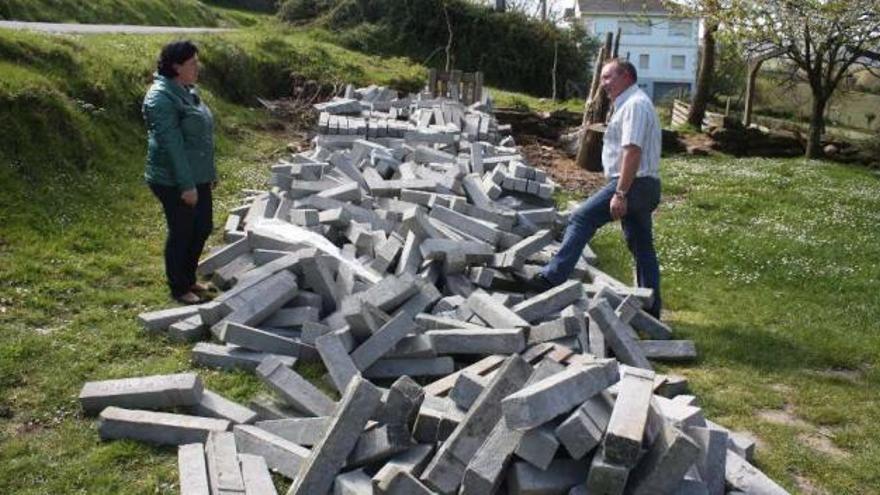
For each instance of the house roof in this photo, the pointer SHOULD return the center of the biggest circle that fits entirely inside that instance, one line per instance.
(622, 6)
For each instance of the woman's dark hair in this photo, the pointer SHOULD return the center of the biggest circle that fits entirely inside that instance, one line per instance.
(176, 52)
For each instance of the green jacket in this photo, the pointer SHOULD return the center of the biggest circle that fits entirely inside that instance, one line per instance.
(180, 135)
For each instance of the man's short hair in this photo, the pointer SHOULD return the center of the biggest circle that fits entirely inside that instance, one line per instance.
(625, 66)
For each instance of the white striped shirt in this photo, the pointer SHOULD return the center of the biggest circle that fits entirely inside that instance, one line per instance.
(634, 122)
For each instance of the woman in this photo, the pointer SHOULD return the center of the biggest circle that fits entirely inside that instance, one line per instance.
(180, 164)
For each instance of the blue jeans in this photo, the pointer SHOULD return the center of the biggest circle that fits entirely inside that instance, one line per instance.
(642, 199)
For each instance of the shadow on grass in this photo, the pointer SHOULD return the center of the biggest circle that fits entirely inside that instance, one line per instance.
(761, 349)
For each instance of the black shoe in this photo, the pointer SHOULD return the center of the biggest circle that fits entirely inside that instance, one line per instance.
(540, 283)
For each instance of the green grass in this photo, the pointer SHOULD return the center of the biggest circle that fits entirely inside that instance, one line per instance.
(141, 12)
(509, 99)
(769, 265)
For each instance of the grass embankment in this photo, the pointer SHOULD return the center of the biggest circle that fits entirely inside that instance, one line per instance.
(81, 237)
(140, 12)
(769, 265)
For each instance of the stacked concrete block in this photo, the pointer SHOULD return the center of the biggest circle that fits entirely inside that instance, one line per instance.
(396, 248)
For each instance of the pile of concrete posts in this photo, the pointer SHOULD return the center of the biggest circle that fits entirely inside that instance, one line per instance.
(398, 260)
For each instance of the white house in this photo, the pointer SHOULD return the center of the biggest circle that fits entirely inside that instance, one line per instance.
(664, 48)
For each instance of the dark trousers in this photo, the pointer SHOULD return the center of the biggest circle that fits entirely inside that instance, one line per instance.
(642, 200)
(188, 229)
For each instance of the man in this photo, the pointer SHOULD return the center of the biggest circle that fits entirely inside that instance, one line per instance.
(631, 160)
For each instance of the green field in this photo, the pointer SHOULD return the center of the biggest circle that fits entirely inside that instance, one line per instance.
(770, 266)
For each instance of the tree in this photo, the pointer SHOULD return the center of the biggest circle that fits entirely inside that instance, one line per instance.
(710, 12)
(821, 40)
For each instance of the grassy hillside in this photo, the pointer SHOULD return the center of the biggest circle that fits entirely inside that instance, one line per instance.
(141, 12)
(769, 265)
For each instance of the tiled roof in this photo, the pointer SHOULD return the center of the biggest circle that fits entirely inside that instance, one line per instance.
(623, 6)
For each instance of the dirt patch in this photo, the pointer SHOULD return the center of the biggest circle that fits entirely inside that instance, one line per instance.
(842, 374)
(823, 443)
(781, 388)
(807, 487)
(784, 417)
(559, 166)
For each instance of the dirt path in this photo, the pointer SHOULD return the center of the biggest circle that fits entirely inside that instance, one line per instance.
(56, 28)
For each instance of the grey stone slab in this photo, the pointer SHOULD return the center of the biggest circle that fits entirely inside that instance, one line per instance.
(327, 457)
(713, 456)
(215, 405)
(412, 461)
(336, 359)
(494, 313)
(294, 389)
(355, 482)
(556, 329)
(301, 431)
(379, 443)
(618, 335)
(157, 321)
(664, 466)
(191, 329)
(427, 295)
(437, 418)
(263, 299)
(445, 471)
(558, 394)
(538, 446)
(642, 321)
(318, 276)
(485, 470)
(401, 405)
(629, 418)
(293, 317)
(582, 431)
(606, 478)
(468, 386)
(404, 483)
(679, 413)
(481, 367)
(391, 292)
(268, 407)
(669, 350)
(410, 255)
(741, 475)
(550, 301)
(145, 392)
(383, 341)
(469, 341)
(413, 346)
(193, 469)
(281, 455)
(156, 427)
(312, 330)
(222, 256)
(255, 472)
(259, 340)
(229, 357)
(224, 471)
(393, 368)
(558, 478)
(482, 230)
(436, 322)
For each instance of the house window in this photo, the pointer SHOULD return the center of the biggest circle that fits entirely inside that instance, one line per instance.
(635, 27)
(680, 28)
(677, 62)
(644, 61)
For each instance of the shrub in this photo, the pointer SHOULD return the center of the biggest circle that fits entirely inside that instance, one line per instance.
(512, 50)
